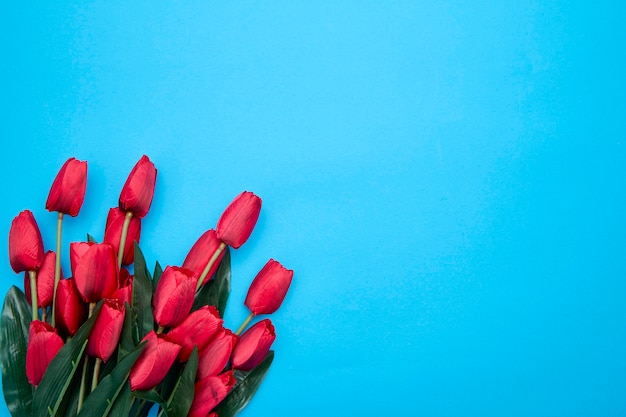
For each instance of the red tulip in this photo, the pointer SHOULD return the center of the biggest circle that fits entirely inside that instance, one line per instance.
(196, 330)
(153, 363)
(268, 289)
(236, 223)
(113, 233)
(137, 193)
(214, 357)
(94, 266)
(43, 345)
(253, 345)
(106, 330)
(173, 297)
(25, 244)
(209, 392)
(201, 252)
(68, 189)
(45, 281)
(71, 311)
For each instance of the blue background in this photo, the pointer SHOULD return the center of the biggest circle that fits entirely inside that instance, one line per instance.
(446, 178)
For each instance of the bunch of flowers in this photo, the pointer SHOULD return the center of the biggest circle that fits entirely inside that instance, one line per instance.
(115, 339)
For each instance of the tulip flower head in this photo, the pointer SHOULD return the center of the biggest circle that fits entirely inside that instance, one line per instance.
(113, 233)
(68, 189)
(196, 330)
(43, 345)
(70, 310)
(173, 296)
(106, 330)
(201, 253)
(268, 289)
(94, 266)
(25, 243)
(214, 357)
(137, 193)
(253, 345)
(209, 392)
(238, 220)
(45, 281)
(153, 363)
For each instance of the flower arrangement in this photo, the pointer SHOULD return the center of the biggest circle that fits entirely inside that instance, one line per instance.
(115, 339)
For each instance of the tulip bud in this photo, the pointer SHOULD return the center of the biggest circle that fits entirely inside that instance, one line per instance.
(268, 289)
(94, 267)
(43, 345)
(253, 345)
(236, 223)
(106, 330)
(173, 297)
(68, 189)
(201, 253)
(209, 392)
(137, 193)
(45, 281)
(25, 243)
(70, 311)
(113, 233)
(196, 330)
(214, 357)
(153, 363)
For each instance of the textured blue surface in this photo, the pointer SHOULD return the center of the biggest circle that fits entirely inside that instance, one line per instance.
(446, 178)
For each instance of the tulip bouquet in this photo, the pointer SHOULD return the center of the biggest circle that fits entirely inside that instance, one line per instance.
(115, 339)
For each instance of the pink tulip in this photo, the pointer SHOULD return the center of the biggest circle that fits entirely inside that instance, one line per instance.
(268, 289)
(137, 193)
(25, 243)
(253, 345)
(43, 345)
(236, 223)
(68, 189)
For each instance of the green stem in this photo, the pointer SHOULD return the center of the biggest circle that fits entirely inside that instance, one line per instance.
(244, 324)
(81, 393)
(33, 293)
(120, 252)
(208, 266)
(96, 374)
(57, 266)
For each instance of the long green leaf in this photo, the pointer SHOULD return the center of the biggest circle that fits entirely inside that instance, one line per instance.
(247, 384)
(156, 276)
(121, 406)
(127, 343)
(51, 392)
(16, 318)
(216, 291)
(142, 294)
(179, 403)
(101, 400)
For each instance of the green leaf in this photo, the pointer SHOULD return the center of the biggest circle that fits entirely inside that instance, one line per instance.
(16, 318)
(247, 384)
(151, 397)
(91, 238)
(51, 392)
(101, 400)
(142, 295)
(121, 406)
(179, 403)
(216, 291)
(158, 271)
(127, 343)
